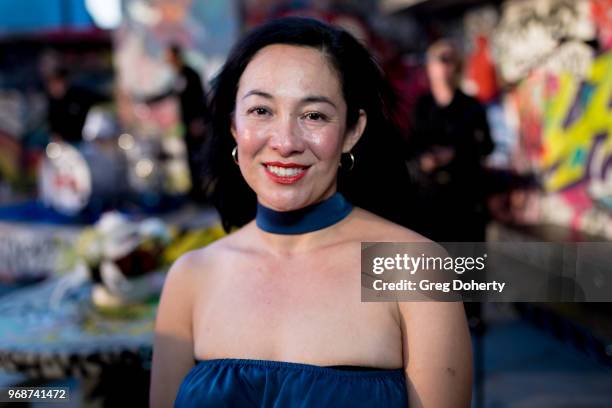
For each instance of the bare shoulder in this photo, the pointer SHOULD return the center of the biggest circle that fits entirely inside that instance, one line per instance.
(185, 269)
(206, 261)
(373, 228)
(194, 269)
(377, 229)
(198, 261)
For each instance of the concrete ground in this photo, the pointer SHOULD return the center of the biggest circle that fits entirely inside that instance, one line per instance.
(525, 367)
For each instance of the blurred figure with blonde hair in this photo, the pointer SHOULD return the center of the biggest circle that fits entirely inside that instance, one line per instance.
(449, 139)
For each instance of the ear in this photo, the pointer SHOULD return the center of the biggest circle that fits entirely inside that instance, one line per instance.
(354, 134)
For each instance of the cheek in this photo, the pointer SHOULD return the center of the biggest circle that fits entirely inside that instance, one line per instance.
(250, 137)
(325, 143)
(438, 70)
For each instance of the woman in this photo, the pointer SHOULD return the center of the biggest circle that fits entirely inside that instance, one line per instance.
(271, 314)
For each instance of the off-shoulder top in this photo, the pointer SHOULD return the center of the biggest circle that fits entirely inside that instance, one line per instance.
(265, 383)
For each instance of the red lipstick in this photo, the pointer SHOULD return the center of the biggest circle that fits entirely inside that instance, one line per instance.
(277, 173)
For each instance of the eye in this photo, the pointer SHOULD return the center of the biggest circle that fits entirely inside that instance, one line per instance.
(259, 111)
(315, 116)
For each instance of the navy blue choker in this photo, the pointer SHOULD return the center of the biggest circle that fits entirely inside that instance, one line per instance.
(307, 219)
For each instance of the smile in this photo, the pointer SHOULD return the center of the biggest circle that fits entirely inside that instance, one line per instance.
(285, 173)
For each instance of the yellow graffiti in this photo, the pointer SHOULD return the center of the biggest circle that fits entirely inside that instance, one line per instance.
(567, 148)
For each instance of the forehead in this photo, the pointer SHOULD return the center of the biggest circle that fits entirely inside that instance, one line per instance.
(281, 67)
(442, 50)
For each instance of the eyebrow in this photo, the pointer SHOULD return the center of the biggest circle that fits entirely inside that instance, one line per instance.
(307, 99)
(318, 99)
(257, 93)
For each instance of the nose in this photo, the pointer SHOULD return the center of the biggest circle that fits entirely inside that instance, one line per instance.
(286, 137)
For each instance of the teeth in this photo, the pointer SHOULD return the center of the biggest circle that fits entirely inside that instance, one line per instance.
(285, 171)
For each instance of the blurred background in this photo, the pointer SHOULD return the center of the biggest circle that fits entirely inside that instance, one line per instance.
(102, 130)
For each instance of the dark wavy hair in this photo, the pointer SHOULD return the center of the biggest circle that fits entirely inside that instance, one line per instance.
(378, 180)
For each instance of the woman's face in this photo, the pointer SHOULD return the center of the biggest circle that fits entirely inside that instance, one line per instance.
(290, 126)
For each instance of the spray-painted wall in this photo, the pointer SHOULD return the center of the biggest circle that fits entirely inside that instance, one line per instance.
(552, 114)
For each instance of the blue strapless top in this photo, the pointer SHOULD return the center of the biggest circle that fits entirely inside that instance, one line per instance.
(264, 383)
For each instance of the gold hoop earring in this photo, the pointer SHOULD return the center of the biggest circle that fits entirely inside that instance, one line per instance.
(352, 157)
(235, 154)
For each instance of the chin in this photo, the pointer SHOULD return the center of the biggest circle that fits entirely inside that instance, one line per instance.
(284, 201)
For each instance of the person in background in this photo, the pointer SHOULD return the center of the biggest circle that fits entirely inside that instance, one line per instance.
(68, 106)
(449, 139)
(189, 89)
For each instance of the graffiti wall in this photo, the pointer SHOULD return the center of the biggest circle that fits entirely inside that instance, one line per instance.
(566, 134)
(553, 119)
(553, 30)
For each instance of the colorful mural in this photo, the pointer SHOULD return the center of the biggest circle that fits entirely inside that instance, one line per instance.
(542, 24)
(563, 106)
(553, 120)
(576, 129)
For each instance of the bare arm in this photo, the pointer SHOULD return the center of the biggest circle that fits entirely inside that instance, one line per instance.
(437, 354)
(173, 344)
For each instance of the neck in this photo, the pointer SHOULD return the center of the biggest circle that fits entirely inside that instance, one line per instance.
(442, 92)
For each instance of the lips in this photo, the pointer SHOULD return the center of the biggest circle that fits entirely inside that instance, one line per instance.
(285, 173)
